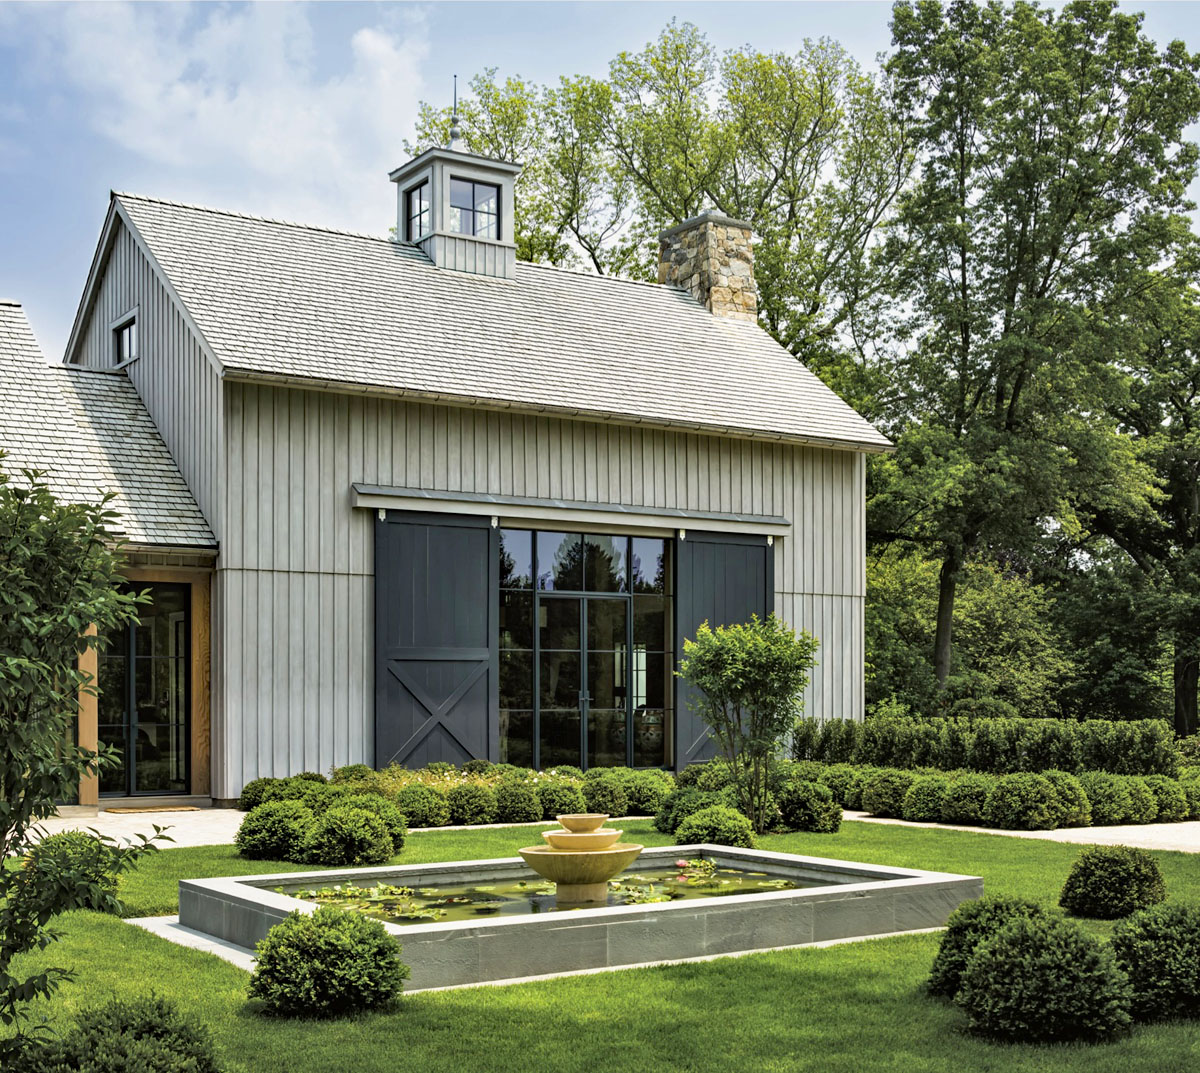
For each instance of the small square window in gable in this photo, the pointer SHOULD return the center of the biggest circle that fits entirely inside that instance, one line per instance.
(125, 343)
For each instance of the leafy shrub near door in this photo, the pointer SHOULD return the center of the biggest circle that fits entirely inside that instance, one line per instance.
(423, 806)
(1044, 979)
(1159, 949)
(604, 793)
(85, 856)
(253, 793)
(274, 831)
(716, 824)
(559, 797)
(347, 836)
(517, 802)
(471, 802)
(809, 806)
(327, 964)
(1107, 882)
(145, 1035)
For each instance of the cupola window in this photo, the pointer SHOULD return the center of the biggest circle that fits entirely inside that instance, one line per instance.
(474, 208)
(416, 212)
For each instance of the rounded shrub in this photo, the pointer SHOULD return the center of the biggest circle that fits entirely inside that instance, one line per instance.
(517, 802)
(560, 797)
(296, 789)
(471, 802)
(275, 831)
(605, 793)
(422, 805)
(352, 773)
(923, 799)
(393, 819)
(1044, 979)
(646, 791)
(565, 771)
(717, 825)
(1191, 792)
(440, 767)
(347, 836)
(254, 793)
(1107, 882)
(883, 795)
(84, 858)
(681, 804)
(1074, 808)
(809, 806)
(326, 964)
(846, 782)
(142, 1035)
(969, 925)
(1109, 797)
(1159, 950)
(1169, 798)
(1144, 804)
(1022, 802)
(965, 797)
(477, 767)
(311, 776)
(689, 776)
(714, 775)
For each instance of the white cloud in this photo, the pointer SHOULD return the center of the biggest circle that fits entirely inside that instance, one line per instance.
(233, 105)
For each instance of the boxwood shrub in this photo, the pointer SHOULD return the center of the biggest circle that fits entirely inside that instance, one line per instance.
(1107, 882)
(604, 793)
(718, 825)
(1144, 804)
(1159, 950)
(809, 806)
(1022, 802)
(517, 802)
(142, 1035)
(477, 767)
(393, 819)
(1109, 797)
(1044, 979)
(253, 793)
(1191, 791)
(347, 837)
(325, 964)
(681, 804)
(1169, 799)
(646, 791)
(884, 792)
(969, 925)
(471, 802)
(352, 773)
(274, 831)
(423, 806)
(965, 797)
(846, 782)
(1074, 808)
(924, 797)
(296, 789)
(560, 797)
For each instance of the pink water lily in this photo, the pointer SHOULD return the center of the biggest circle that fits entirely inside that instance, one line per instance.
(681, 864)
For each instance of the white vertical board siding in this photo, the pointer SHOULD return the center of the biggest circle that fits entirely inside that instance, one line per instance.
(296, 569)
(172, 374)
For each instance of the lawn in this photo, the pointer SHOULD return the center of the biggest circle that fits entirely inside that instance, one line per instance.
(848, 1008)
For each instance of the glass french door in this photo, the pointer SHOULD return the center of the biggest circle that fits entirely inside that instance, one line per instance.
(585, 661)
(144, 697)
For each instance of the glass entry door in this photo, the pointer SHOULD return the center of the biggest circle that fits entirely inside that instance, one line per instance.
(145, 697)
(585, 650)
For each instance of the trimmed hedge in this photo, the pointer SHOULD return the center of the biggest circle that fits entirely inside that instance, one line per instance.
(718, 825)
(965, 797)
(274, 831)
(995, 745)
(560, 797)
(924, 799)
(809, 806)
(884, 793)
(969, 925)
(347, 837)
(423, 806)
(1022, 802)
(1107, 882)
(517, 802)
(471, 803)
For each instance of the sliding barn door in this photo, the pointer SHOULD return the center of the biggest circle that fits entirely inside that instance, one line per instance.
(722, 579)
(436, 611)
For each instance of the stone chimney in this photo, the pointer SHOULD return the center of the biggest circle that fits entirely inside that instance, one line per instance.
(710, 255)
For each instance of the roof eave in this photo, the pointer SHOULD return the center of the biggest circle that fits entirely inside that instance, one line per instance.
(349, 387)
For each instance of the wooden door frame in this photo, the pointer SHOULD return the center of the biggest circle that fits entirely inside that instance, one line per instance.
(199, 580)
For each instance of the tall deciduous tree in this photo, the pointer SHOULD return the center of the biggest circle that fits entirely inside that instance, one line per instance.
(1052, 177)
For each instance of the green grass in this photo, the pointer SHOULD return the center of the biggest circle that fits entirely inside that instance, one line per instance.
(839, 1010)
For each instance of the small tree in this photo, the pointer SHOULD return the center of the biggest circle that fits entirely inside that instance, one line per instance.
(750, 678)
(59, 575)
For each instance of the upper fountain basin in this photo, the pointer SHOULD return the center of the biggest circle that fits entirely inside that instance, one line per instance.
(582, 840)
(580, 822)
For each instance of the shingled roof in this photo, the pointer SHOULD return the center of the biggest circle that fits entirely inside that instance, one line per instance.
(89, 432)
(284, 301)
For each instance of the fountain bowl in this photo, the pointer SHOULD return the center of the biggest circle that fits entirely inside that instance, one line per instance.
(579, 822)
(580, 876)
(587, 841)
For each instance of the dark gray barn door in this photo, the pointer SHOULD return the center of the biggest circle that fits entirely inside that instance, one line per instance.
(722, 579)
(435, 639)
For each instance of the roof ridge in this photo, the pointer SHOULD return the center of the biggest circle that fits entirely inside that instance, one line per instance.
(10, 302)
(216, 211)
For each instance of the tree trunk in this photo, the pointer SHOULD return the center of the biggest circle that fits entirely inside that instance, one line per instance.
(1186, 679)
(942, 640)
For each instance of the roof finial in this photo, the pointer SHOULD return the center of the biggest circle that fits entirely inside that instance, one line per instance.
(455, 130)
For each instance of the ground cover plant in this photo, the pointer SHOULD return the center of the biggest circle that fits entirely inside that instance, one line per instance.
(852, 1007)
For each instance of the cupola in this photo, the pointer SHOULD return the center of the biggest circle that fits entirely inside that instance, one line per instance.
(458, 207)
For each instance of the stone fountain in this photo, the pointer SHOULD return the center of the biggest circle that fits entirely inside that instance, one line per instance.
(582, 856)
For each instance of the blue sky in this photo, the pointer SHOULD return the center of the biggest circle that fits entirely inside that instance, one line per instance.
(298, 110)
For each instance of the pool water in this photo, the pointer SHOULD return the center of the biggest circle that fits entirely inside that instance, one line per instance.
(684, 880)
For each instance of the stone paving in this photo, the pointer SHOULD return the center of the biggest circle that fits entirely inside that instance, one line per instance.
(217, 826)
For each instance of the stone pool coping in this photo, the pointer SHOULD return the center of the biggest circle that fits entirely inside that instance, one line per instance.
(859, 900)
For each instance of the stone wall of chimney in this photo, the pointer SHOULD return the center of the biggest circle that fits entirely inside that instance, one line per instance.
(712, 257)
